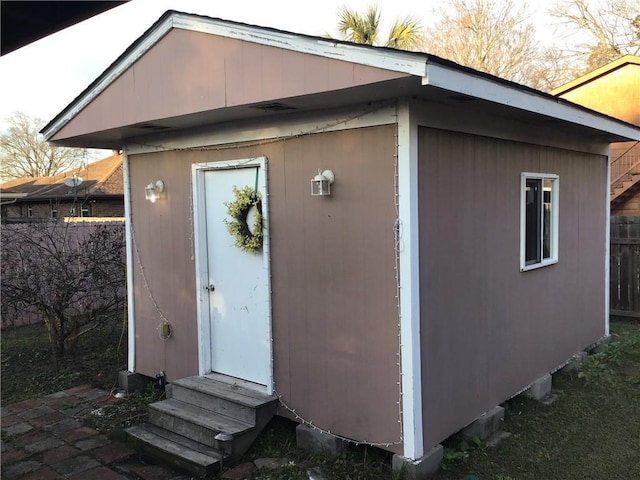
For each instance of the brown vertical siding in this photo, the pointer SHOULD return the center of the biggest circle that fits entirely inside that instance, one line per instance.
(335, 318)
(195, 72)
(488, 330)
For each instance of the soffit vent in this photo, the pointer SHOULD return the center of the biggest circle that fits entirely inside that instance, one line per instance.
(274, 107)
(151, 126)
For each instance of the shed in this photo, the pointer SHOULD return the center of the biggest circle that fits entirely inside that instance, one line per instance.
(461, 255)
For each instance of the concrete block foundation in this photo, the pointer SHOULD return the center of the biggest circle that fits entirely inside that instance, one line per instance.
(133, 382)
(486, 424)
(541, 388)
(419, 469)
(314, 440)
(575, 363)
(600, 346)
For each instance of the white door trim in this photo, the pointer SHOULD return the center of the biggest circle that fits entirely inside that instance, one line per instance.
(201, 264)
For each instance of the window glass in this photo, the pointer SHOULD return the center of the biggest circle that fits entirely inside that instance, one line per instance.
(539, 220)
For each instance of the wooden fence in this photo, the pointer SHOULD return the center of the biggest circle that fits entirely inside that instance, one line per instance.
(625, 267)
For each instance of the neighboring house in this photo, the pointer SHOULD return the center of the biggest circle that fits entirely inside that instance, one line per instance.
(614, 89)
(461, 255)
(94, 191)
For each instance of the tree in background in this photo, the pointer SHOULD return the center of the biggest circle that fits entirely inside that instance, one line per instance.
(611, 28)
(73, 275)
(24, 153)
(405, 33)
(491, 36)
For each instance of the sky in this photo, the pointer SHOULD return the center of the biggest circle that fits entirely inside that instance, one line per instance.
(42, 78)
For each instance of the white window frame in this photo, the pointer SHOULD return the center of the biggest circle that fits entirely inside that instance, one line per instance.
(555, 214)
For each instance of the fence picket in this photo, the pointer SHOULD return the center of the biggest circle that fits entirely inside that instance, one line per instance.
(624, 281)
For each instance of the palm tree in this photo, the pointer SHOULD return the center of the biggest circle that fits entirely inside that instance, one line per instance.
(365, 28)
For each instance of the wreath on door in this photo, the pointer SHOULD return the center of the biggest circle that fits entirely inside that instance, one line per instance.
(247, 239)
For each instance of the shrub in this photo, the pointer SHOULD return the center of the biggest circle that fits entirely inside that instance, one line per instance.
(73, 275)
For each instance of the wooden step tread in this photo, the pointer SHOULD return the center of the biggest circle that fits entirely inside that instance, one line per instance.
(199, 416)
(236, 393)
(180, 447)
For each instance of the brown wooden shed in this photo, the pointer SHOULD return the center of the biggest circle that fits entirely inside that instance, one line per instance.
(461, 255)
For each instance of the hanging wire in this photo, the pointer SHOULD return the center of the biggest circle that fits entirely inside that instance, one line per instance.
(234, 146)
(397, 242)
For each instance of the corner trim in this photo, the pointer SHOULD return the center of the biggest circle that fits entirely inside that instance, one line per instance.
(409, 256)
(131, 330)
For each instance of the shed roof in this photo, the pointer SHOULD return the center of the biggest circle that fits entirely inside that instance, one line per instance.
(101, 178)
(597, 73)
(389, 74)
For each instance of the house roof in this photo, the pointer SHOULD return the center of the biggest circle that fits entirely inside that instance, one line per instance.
(99, 179)
(597, 73)
(415, 74)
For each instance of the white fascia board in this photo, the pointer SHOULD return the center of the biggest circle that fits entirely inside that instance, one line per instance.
(409, 261)
(388, 59)
(110, 75)
(454, 80)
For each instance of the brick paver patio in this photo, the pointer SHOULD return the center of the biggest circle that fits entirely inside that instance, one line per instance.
(44, 439)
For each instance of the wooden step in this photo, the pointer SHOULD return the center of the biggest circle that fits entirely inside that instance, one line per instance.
(194, 422)
(176, 450)
(228, 399)
(181, 430)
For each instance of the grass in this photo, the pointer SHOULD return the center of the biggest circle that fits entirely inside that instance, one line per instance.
(355, 463)
(28, 370)
(592, 430)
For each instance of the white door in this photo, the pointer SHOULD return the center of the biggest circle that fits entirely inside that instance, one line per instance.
(238, 283)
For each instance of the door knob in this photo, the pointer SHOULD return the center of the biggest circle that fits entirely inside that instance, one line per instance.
(210, 288)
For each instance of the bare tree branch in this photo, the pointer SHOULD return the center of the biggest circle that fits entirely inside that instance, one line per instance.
(608, 29)
(24, 153)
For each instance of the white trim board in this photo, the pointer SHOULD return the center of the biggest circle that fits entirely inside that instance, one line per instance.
(410, 352)
(395, 60)
(128, 225)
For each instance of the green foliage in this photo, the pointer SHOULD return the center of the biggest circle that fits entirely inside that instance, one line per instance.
(247, 239)
(453, 457)
(600, 368)
(364, 28)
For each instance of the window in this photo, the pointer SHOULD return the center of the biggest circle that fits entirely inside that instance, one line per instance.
(538, 220)
(54, 211)
(29, 211)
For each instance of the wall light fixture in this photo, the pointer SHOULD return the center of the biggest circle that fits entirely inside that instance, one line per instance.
(153, 190)
(321, 183)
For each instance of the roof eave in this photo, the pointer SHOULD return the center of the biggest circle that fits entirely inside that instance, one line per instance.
(389, 59)
(515, 96)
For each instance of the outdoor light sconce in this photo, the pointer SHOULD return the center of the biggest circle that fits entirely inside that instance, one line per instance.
(153, 190)
(321, 183)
